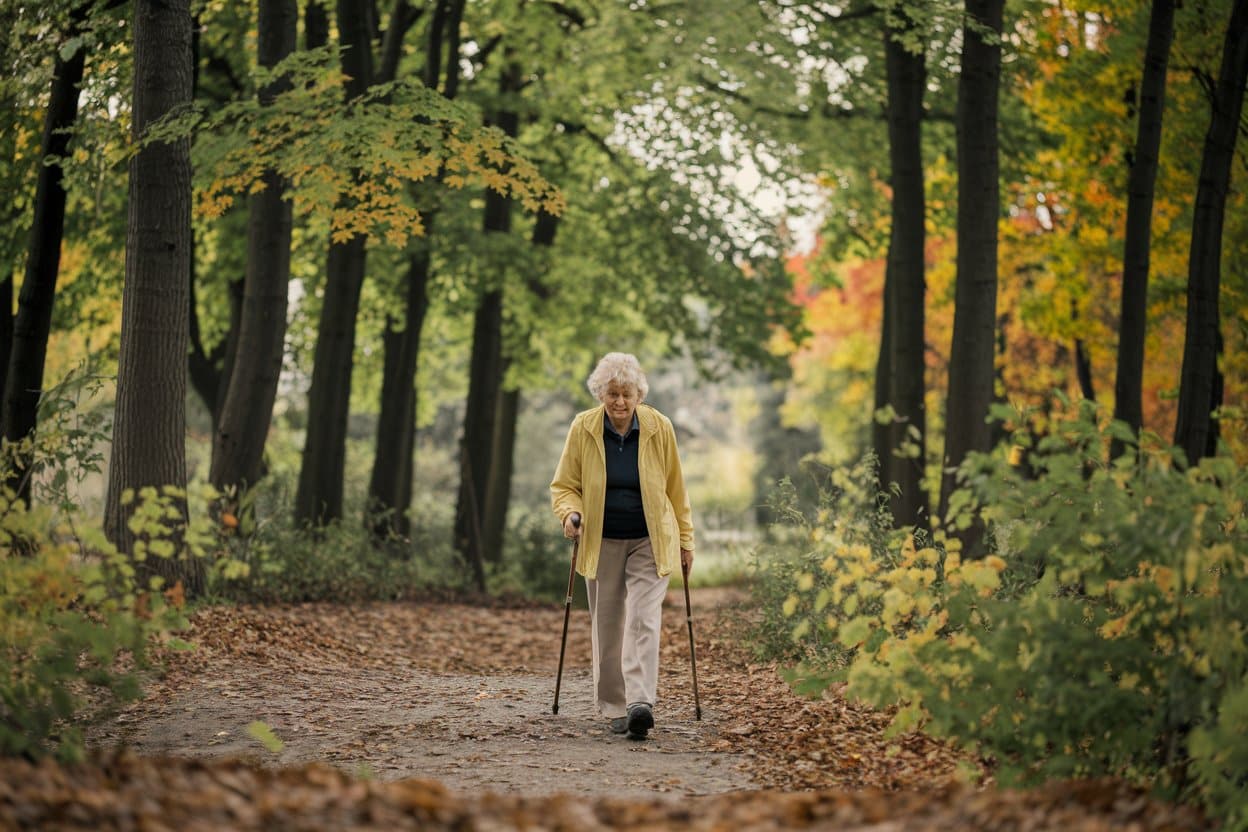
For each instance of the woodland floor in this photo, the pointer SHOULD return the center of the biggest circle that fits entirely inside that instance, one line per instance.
(438, 716)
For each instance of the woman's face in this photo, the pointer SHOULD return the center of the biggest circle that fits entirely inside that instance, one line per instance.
(621, 401)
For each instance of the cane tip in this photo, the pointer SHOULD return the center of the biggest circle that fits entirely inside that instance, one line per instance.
(555, 710)
(697, 713)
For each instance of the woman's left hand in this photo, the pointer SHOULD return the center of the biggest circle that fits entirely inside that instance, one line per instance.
(686, 560)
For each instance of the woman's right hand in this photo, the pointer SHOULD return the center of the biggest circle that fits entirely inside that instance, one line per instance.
(572, 525)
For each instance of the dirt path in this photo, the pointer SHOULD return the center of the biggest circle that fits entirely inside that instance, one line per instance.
(437, 716)
(452, 693)
(473, 733)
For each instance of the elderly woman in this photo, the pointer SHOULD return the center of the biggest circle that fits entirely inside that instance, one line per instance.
(620, 478)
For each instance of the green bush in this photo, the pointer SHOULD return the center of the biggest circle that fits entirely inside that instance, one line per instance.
(74, 629)
(75, 621)
(1105, 636)
(792, 590)
(272, 561)
(537, 558)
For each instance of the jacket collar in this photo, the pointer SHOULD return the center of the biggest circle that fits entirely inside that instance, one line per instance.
(647, 422)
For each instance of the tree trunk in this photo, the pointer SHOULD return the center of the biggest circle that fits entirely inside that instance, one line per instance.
(996, 429)
(319, 498)
(502, 454)
(10, 211)
(247, 408)
(1200, 387)
(906, 280)
(484, 381)
(883, 433)
(498, 488)
(210, 369)
(390, 488)
(975, 298)
(149, 427)
(485, 376)
(203, 373)
(315, 25)
(29, 339)
(1083, 371)
(1128, 383)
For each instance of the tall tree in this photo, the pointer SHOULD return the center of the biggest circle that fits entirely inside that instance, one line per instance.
(247, 409)
(1200, 388)
(979, 207)
(1128, 382)
(216, 79)
(485, 371)
(149, 427)
(319, 497)
(902, 347)
(315, 25)
(503, 446)
(390, 486)
(9, 213)
(23, 381)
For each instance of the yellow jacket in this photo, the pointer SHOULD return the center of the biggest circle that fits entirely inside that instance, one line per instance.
(580, 485)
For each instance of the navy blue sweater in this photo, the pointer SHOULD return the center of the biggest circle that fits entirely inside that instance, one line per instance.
(623, 516)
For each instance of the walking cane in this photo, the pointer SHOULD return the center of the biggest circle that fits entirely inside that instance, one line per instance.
(567, 610)
(693, 659)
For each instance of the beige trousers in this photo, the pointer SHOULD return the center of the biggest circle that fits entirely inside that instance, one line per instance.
(626, 608)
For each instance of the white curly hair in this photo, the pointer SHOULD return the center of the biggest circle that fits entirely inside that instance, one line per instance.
(622, 368)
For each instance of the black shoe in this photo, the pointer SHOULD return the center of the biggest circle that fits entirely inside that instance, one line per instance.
(640, 721)
(619, 725)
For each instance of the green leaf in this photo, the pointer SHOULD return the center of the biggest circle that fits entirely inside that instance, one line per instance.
(263, 734)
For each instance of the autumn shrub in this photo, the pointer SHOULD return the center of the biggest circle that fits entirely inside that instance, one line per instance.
(1105, 634)
(75, 621)
(266, 558)
(791, 587)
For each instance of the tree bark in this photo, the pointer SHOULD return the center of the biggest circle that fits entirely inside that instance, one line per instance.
(485, 377)
(315, 25)
(484, 381)
(502, 453)
(9, 242)
(498, 488)
(1200, 387)
(975, 299)
(883, 433)
(210, 369)
(149, 427)
(1083, 371)
(905, 278)
(390, 487)
(247, 408)
(1128, 383)
(319, 498)
(23, 379)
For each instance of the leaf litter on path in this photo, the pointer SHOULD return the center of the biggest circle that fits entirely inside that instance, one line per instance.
(373, 704)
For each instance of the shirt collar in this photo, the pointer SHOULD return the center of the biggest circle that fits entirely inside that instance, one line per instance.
(607, 426)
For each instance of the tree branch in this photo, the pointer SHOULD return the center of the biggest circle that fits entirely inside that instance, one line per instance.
(827, 111)
(568, 12)
(402, 19)
(483, 57)
(575, 128)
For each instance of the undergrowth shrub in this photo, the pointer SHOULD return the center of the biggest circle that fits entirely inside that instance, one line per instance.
(270, 560)
(792, 588)
(75, 622)
(537, 558)
(1105, 635)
